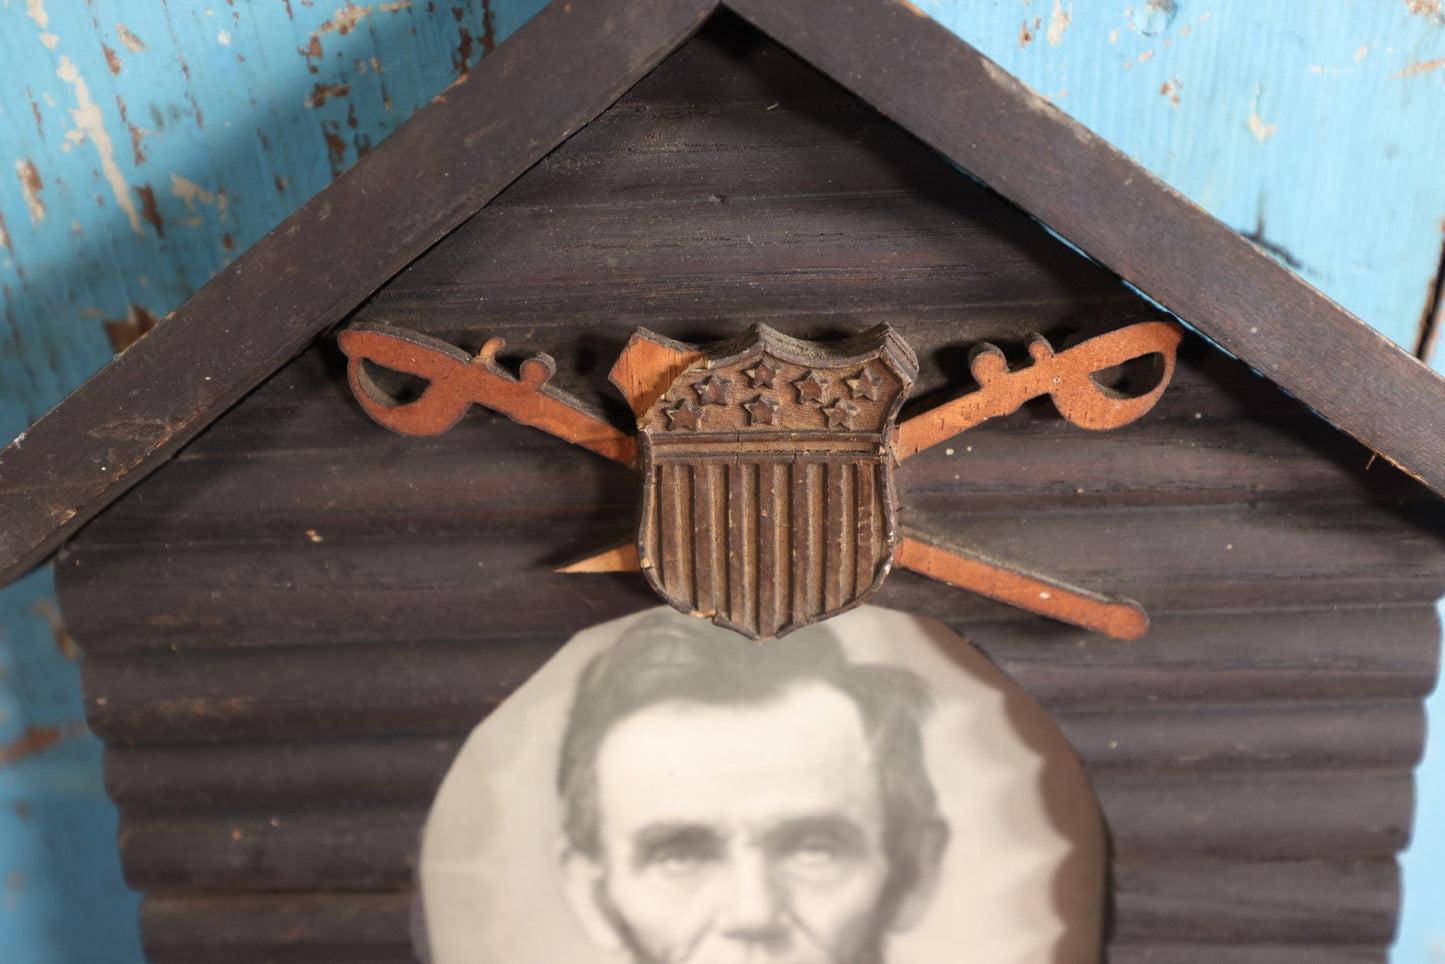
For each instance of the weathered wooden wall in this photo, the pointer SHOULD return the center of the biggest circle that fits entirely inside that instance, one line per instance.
(1252, 754)
(188, 113)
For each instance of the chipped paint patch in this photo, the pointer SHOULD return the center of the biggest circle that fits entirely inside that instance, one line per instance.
(136, 133)
(5, 238)
(190, 192)
(1256, 125)
(132, 43)
(111, 59)
(321, 93)
(50, 40)
(151, 209)
(35, 10)
(65, 643)
(1419, 67)
(1424, 8)
(1059, 21)
(30, 187)
(90, 123)
(335, 148)
(124, 332)
(346, 19)
(1026, 35)
(38, 739)
(1171, 89)
(1158, 17)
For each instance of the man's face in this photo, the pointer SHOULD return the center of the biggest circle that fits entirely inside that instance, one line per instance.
(743, 833)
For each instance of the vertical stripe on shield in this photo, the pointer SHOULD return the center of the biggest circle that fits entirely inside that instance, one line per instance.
(709, 535)
(840, 531)
(742, 541)
(674, 536)
(807, 561)
(774, 557)
(871, 534)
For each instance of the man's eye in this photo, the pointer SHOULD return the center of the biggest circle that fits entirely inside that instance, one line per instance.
(816, 851)
(679, 860)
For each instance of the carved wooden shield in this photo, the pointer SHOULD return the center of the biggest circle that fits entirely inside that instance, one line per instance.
(768, 480)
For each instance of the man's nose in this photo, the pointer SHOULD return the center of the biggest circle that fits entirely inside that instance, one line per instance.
(755, 904)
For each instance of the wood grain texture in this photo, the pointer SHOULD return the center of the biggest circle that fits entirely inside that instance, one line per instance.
(199, 694)
(321, 773)
(1288, 911)
(153, 400)
(454, 156)
(295, 543)
(1221, 816)
(300, 928)
(965, 107)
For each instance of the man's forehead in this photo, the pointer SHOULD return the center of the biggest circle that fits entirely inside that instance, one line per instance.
(802, 752)
(808, 710)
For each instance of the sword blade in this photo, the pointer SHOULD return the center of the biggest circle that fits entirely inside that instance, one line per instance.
(1114, 617)
(621, 558)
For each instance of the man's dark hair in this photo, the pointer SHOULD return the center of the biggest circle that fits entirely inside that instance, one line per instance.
(670, 657)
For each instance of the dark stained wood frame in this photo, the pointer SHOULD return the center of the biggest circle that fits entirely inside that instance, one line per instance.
(562, 69)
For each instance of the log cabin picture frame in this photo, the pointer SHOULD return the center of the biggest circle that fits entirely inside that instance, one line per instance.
(327, 610)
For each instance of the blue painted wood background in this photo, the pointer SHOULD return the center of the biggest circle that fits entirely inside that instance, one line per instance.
(144, 145)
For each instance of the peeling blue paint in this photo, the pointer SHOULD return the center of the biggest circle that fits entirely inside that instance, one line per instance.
(1313, 128)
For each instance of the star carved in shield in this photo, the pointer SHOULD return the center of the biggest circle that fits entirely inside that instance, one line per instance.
(812, 387)
(714, 390)
(683, 415)
(865, 384)
(762, 374)
(762, 411)
(841, 414)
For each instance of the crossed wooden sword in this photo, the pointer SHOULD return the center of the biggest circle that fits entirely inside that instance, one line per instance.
(650, 364)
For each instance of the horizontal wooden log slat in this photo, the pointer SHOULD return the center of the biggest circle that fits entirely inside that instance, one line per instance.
(198, 694)
(424, 573)
(1347, 814)
(343, 928)
(1220, 902)
(1215, 815)
(1264, 953)
(364, 850)
(1273, 735)
(304, 410)
(296, 774)
(302, 774)
(1298, 907)
(1017, 466)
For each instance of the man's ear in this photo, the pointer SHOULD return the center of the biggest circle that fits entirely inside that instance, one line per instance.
(931, 842)
(582, 885)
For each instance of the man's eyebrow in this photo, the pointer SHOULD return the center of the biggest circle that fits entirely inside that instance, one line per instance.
(653, 836)
(832, 825)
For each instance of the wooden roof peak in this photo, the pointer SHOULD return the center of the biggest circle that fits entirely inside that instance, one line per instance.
(567, 65)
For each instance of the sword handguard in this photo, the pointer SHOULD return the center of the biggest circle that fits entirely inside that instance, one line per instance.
(1068, 376)
(457, 380)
